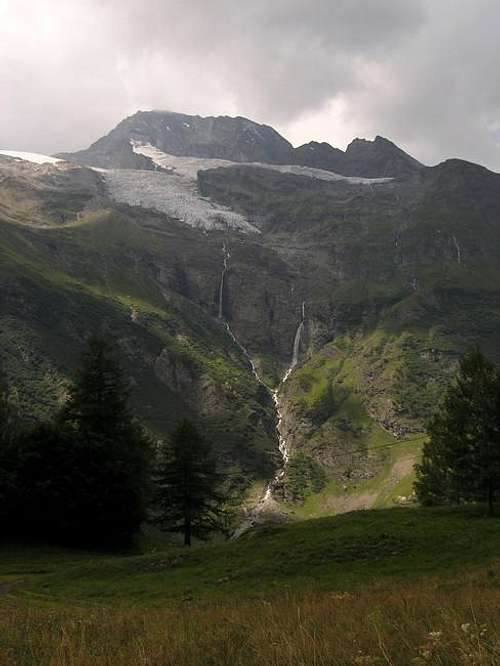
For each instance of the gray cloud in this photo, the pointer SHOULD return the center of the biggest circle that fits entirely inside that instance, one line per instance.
(420, 72)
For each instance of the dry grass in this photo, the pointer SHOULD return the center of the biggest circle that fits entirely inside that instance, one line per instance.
(397, 623)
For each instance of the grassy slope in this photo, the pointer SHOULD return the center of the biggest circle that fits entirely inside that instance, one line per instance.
(350, 387)
(61, 284)
(371, 574)
(326, 553)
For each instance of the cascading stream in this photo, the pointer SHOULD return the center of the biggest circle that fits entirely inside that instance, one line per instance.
(227, 256)
(458, 249)
(282, 442)
(246, 353)
(267, 498)
(296, 344)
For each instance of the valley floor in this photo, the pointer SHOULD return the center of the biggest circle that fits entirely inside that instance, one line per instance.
(399, 586)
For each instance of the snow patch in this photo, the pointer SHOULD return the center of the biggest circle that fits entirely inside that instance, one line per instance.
(35, 158)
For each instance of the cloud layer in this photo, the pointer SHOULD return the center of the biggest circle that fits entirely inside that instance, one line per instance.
(421, 72)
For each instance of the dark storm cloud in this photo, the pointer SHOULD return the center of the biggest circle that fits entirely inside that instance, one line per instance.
(421, 72)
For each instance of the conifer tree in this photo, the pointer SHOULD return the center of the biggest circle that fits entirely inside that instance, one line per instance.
(9, 412)
(461, 460)
(111, 450)
(46, 485)
(189, 497)
(9, 455)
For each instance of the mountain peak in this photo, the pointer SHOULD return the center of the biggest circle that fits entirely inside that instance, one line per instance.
(220, 137)
(379, 158)
(238, 139)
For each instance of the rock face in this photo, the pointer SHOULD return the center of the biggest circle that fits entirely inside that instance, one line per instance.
(372, 159)
(380, 157)
(321, 156)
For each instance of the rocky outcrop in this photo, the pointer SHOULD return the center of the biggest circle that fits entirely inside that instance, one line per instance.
(371, 159)
(201, 392)
(320, 156)
(379, 158)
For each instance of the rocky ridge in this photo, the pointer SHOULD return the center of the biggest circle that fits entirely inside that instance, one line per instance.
(237, 140)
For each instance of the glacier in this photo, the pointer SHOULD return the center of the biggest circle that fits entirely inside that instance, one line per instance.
(173, 187)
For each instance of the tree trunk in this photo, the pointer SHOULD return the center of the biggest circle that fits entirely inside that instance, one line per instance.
(491, 498)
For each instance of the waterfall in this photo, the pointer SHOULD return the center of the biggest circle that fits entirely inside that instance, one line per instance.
(457, 248)
(267, 499)
(244, 350)
(246, 353)
(282, 443)
(227, 255)
(296, 344)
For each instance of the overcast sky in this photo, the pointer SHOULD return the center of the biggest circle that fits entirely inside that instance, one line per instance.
(424, 73)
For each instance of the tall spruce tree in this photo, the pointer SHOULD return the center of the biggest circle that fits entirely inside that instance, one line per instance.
(189, 497)
(9, 456)
(9, 412)
(111, 450)
(46, 484)
(461, 460)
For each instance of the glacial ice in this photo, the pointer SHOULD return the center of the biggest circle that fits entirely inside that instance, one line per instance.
(174, 195)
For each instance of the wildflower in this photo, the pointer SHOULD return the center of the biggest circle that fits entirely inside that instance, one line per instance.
(465, 627)
(435, 635)
(341, 596)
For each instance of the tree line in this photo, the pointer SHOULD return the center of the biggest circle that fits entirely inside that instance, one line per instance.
(92, 474)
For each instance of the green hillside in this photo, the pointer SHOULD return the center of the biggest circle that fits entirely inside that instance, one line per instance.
(98, 275)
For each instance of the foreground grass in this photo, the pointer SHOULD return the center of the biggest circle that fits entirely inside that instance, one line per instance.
(398, 586)
(390, 624)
